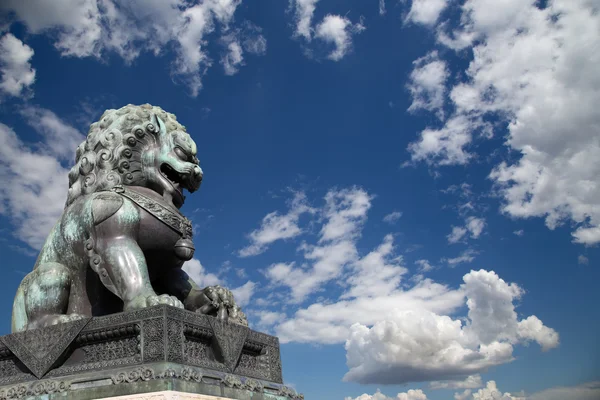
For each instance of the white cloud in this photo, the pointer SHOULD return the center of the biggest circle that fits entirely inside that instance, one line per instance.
(304, 14)
(345, 212)
(532, 73)
(233, 58)
(427, 84)
(426, 12)
(338, 30)
(444, 146)
(196, 271)
(582, 260)
(395, 333)
(15, 67)
(333, 29)
(266, 319)
(457, 234)
(473, 225)
(419, 345)
(60, 138)
(466, 256)
(34, 182)
(424, 265)
(381, 7)
(470, 382)
(586, 391)
(412, 394)
(92, 28)
(489, 392)
(392, 217)
(376, 274)
(243, 294)
(520, 232)
(277, 227)
(533, 329)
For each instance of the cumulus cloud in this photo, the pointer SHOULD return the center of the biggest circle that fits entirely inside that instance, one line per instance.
(420, 345)
(393, 332)
(275, 227)
(470, 382)
(582, 260)
(489, 392)
(426, 12)
(519, 232)
(243, 294)
(427, 84)
(16, 72)
(532, 73)
(34, 177)
(333, 29)
(196, 271)
(412, 394)
(338, 31)
(92, 28)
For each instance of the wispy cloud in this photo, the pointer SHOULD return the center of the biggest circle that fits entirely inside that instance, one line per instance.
(276, 227)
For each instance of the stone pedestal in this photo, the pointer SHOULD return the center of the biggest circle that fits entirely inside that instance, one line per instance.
(158, 351)
(166, 395)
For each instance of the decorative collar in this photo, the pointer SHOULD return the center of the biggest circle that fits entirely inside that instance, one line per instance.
(174, 220)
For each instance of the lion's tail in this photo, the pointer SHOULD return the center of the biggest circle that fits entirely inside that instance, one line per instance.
(19, 314)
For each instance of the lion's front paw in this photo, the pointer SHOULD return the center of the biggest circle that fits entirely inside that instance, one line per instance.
(149, 300)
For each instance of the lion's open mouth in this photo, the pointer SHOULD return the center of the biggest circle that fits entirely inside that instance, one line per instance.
(177, 180)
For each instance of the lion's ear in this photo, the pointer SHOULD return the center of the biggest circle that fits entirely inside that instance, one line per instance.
(160, 125)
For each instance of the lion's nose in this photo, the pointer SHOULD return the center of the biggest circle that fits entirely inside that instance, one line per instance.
(198, 174)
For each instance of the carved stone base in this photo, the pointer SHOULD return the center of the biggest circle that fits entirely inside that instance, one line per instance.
(166, 395)
(145, 351)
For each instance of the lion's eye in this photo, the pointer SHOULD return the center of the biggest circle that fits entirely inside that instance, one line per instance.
(181, 154)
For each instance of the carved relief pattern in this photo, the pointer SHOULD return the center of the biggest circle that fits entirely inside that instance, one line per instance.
(199, 353)
(116, 346)
(254, 365)
(275, 364)
(34, 389)
(10, 371)
(230, 339)
(38, 349)
(153, 340)
(174, 341)
(113, 350)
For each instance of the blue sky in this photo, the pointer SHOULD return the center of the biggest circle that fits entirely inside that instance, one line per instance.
(405, 192)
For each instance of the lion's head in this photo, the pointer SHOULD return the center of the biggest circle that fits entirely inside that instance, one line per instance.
(136, 146)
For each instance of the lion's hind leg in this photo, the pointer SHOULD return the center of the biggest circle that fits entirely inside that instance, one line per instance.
(44, 294)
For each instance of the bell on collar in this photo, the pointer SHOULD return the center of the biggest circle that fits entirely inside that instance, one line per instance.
(184, 249)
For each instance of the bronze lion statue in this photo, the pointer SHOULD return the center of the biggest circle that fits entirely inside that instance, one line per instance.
(121, 240)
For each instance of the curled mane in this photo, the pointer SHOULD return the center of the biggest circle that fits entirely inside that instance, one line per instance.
(112, 152)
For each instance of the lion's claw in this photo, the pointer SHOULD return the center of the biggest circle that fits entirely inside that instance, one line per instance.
(146, 300)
